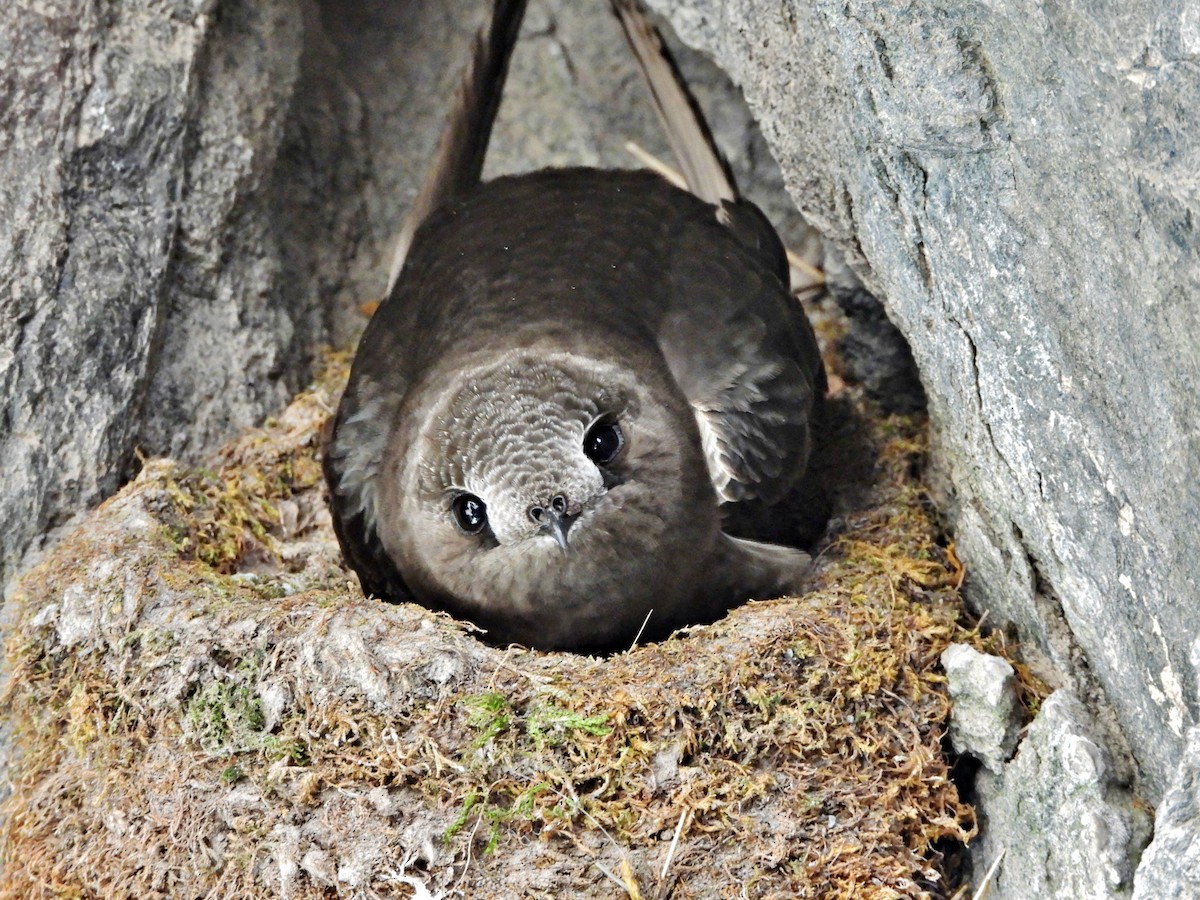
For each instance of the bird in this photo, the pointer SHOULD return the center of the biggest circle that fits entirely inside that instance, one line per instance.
(577, 378)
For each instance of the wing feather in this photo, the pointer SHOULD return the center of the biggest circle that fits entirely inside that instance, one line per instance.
(746, 359)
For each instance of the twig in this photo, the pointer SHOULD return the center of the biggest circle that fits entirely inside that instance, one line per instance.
(987, 878)
(609, 875)
(638, 636)
(674, 844)
(654, 164)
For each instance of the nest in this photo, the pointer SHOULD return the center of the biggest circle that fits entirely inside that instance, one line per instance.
(203, 704)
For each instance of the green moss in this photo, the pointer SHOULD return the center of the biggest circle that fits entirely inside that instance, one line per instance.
(468, 804)
(551, 726)
(225, 716)
(489, 715)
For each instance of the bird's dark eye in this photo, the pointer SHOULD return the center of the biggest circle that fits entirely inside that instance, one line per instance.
(470, 513)
(603, 442)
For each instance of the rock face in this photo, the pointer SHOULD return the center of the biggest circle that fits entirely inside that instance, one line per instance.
(196, 196)
(1171, 867)
(150, 298)
(1058, 815)
(1017, 182)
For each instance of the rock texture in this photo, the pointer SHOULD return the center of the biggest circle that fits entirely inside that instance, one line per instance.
(1171, 867)
(152, 297)
(1059, 816)
(195, 195)
(984, 719)
(1017, 182)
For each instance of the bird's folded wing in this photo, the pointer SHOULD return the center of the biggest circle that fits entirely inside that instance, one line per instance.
(355, 442)
(747, 361)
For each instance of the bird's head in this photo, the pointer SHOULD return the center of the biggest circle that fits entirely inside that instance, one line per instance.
(547, 497)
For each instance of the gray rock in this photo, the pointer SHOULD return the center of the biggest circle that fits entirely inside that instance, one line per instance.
(1066, 827)
(148, 300)
(1171, 865)
(984, 719)
(1016, 181)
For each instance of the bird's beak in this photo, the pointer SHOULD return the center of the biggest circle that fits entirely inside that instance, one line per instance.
(558, 526)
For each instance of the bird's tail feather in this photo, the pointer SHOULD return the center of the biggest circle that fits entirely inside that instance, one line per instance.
(457, 165)
(704, 168)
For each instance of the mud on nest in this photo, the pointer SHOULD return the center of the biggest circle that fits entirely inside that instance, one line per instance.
(203, 704)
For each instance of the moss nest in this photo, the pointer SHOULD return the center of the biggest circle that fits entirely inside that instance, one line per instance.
(203, 704)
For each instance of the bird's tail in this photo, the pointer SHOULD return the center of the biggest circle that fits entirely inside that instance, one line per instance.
(457, 165)
(704, 168)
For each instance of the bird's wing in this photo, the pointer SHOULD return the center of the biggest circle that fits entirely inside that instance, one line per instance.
(355, 441)
(740, 348)
(747, 360)
(458, 162)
